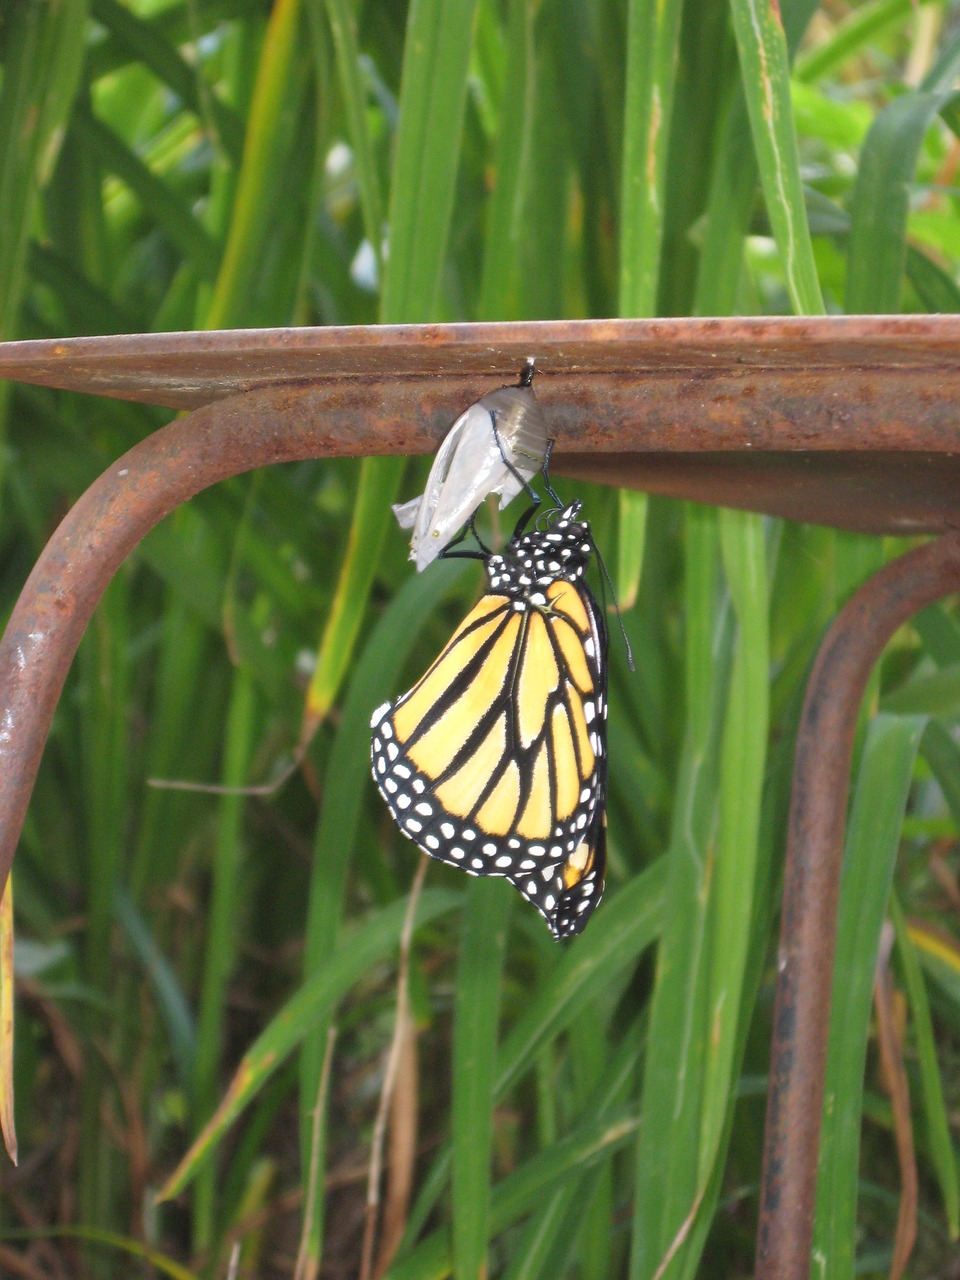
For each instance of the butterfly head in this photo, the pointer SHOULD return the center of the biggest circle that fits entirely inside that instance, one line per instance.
(562, 549)
(558, 552)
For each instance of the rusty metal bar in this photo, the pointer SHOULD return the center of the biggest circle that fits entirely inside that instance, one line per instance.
(277, 424)
(880, 491)
(843, 420)
(818, 809)
(827, 374)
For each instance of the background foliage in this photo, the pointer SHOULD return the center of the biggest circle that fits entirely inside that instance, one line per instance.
(592, 1111)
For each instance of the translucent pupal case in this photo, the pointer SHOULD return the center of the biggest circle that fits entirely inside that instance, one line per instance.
(507, 425)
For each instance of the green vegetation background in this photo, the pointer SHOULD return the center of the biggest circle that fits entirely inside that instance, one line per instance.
(591, 1111)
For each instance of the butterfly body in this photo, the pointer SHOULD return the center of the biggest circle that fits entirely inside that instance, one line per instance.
(495, 761)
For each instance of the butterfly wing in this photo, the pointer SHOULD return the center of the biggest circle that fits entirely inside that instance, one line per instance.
(495, 761)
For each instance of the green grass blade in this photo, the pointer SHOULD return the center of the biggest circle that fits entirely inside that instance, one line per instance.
(937, 290)
(182, 676)
(348, 768)
(653, 32)
(43, 56)
(936, 693)
(161, 975)
(175, 25)
(476, 1015)
(941, 754)
(105, 671)
(765, 70)
(943, 74)
(594, 1140)
(340, 15)
(632, 921)
(856, 31)
(372, 521)
(728, 214)
(163, 204)
(364, 947)
(881, 202)
(564, 153)
(87, 308)
(742, 770)
(940, 957)
(667, 1155)
(934, 1103)
(277, 96)
(604, 1129)
(873, 838)
(144, 42)
(346, 780)
(223, 933)
(551, 1225)
(731, 197)
(551, 1234)
(632, 529)
(436, 56)
(127, 1246)
(503, 262)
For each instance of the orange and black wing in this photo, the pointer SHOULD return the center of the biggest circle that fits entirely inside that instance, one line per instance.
(495, 761)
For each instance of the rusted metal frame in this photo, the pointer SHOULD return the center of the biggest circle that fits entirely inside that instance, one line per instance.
(848, 421)
(815, 836)
(276, 424)
(294, 422)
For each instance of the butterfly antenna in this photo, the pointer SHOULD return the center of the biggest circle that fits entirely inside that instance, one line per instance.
(616, 604)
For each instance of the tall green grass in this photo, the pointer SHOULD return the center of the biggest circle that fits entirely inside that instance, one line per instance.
(589, 1111)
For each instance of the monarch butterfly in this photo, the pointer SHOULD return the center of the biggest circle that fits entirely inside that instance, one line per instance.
(495, 761)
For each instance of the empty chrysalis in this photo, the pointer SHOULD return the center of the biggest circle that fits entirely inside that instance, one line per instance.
(493, 447)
